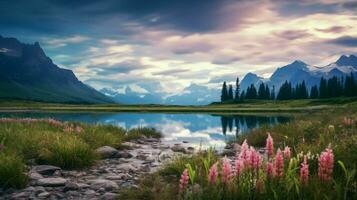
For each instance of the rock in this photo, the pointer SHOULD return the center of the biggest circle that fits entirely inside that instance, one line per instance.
(109, 196)
(46, 169)
(44, 194)
(127, 167)
(82, 185)
(228, 152)
(184, 141)
(107, 152)
(51, 182)
(70, 186)
(103, 183)
(178, 148)
(124, 154)
(20, 195)
(35, 176)
(141, 157)
(89, 192)
(39, 189)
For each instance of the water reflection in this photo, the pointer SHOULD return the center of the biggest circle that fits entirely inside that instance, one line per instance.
(198, 129)
(243, 123)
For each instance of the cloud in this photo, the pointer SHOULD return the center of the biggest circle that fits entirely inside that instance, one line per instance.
(334, 29)
(61, 42)
(347, 41)
(171, 72)
(293, 34)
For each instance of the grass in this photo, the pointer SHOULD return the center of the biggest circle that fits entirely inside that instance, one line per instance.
(63, 144)
(308, 134)
(246, 106)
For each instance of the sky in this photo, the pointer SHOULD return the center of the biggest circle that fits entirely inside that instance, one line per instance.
(166, 45)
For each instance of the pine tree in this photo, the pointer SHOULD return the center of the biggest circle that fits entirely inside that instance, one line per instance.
(314, 94)
(303, 91)
(236, 94)
(323, 88)
(285, 91)
(251, 92)
(242, 96)
(267, 92)
(230, 92)
(272, 94)
(224, 94)
(261, 91)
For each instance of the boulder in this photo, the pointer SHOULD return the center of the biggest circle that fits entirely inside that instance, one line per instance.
(46, 169)
(178, 148)
(51, 182)
(107, 152)
(103, 183)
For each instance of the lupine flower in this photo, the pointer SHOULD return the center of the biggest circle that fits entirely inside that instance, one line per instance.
(254, 158)
(270, 170)
(243, 153)
(226, 171)
(348, 121)
(239, 167)
(213, 173)
(304, 171)
(79, 129)
(326, 160)
(269, 146)
(287, 153)
(184, 181)
(279, 163)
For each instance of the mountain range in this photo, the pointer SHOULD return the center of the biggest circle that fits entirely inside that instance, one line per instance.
(298, 71)
(192, 95)
(28, 74)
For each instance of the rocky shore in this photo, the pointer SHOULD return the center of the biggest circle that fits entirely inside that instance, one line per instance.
(117, 169)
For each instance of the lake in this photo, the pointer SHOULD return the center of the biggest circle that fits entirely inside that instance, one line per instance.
(199, 130)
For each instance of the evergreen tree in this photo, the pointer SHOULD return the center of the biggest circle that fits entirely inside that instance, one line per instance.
(267, 92)
(224, 94)
(272, 94)
(303, 91)
(236, 94)
(261, 91)
(314, 94)
(242, 96)
(285, 91)
(323, 88)
(251, 92)
(230, 92)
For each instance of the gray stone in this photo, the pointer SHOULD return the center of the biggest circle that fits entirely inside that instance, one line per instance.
(35, 176)
(107, 152)
(108, 185)
(124, 154)
(178, 148)
(109, 196)
(44, 194)
(20, 195)
(46, 169)
(70, 186)
(51, 182)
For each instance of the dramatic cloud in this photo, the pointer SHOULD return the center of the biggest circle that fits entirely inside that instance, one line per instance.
(168, 45)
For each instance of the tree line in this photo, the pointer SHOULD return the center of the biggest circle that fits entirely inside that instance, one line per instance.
(327, 88)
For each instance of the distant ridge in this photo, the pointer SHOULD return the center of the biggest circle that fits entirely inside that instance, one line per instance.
(26, 73)
(298, 71)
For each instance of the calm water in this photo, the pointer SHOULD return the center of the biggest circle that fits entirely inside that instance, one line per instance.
(198, 129)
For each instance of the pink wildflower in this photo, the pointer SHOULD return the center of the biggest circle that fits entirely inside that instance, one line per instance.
(304, 171)
(226, 171)
(279, 163)
(213, 173)
(269, 145)
(254, 159)
(348, 121)
(287, 153)
(326, 160)
(184, 181)
(79, 129)
(270, 170)
(239, 167)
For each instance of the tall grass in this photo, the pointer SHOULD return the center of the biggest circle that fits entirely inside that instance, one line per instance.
(12, 171)
(47, 141)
